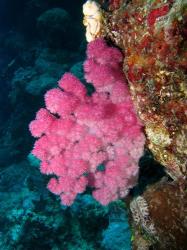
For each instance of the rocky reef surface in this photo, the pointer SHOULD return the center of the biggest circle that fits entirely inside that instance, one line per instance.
(152, 36)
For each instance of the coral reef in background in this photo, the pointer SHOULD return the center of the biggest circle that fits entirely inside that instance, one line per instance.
(30, 216)
(92, 140)
(117, 236)
(30, 66)
(53, 26)
(152, 36)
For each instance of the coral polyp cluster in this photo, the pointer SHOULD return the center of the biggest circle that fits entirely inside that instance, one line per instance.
(152, 35)
(92, 140)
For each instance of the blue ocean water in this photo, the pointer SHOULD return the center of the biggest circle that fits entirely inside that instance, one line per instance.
(39, 41)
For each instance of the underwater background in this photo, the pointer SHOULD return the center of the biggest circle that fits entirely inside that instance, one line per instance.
(40, 40)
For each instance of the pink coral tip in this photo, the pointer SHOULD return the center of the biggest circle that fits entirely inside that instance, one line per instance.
(73, 85)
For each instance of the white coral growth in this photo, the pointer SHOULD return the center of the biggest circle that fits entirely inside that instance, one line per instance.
(139, 209)
(92, 19)
(140, 213)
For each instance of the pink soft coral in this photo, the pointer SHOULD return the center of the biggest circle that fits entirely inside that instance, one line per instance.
(78, 133)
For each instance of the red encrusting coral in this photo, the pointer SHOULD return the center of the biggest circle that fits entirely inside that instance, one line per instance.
(155, 13)
(114, 4)
(90, 140)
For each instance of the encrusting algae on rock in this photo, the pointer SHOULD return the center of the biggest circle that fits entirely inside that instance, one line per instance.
(152, 36)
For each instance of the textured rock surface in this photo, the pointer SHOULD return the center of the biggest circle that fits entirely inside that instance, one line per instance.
(152, 36)
(160, 217)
